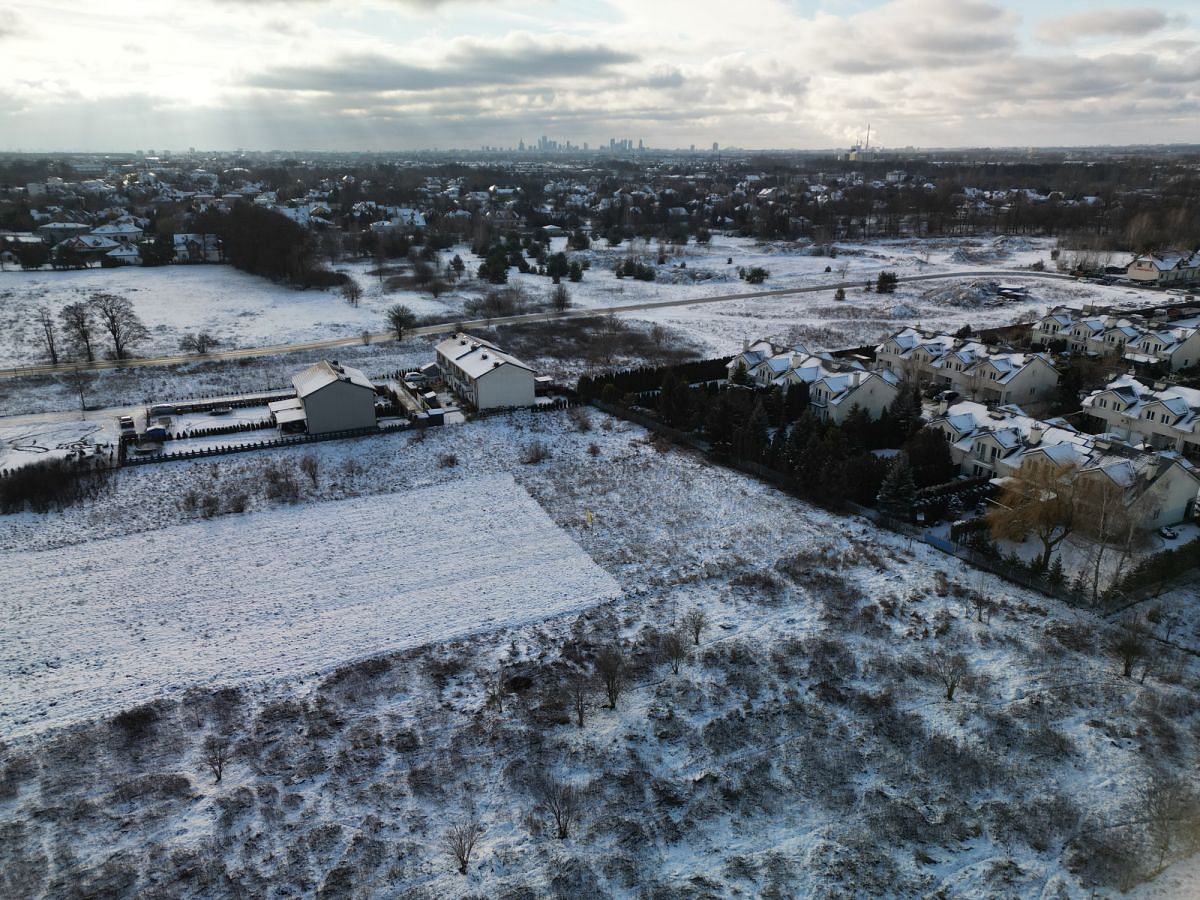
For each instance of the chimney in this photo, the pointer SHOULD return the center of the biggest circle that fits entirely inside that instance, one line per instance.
(1035, 435)
(943, 407)
(745, 344)
(795, 360)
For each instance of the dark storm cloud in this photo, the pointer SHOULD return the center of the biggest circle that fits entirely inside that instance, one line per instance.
(469, 64)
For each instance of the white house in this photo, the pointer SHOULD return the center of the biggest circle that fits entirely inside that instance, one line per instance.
(835, 386)
(1163, 416)
(1173, 347)
(1161, 487)
(973, 369)
(329, 397)
(483, 375)
(1167, 267)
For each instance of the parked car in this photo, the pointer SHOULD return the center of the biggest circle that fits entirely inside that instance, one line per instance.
(220, 410)
(126, 423)
(416, 377)
(163, 409)
(1167, 532)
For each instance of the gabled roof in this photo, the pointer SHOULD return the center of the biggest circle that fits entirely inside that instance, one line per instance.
(322, 374)
(475, 356)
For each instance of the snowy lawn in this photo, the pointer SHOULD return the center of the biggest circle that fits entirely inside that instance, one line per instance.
(112, 623)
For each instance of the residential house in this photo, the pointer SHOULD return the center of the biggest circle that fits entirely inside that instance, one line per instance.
(1160, 415)
(997, 443)
(975, 370)
(1165, 268)
(835, 387)
(1174, 348)
(483, 375)
(329, 397)
(193, 248)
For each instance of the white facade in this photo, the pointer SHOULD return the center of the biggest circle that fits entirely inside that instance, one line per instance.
(835, 386)
(1163, 416)
(973, 369)
(1161, 487)
(483, 375)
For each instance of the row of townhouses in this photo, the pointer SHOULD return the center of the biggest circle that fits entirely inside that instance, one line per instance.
(975, 370)
(1171, 343)
(1161, 416)
(1159, 487)
(835, 387)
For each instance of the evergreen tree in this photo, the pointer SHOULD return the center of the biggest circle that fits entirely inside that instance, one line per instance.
(899, 490)
(1055, 576)
(905, 411)
(929, 454)
(740, 375)
(755, 435)
(858, 430)
(864, 476)
(795, 401)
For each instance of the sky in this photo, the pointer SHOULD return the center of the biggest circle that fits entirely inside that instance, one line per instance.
(381, 75)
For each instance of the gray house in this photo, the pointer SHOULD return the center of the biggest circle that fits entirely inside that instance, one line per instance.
(329, 397)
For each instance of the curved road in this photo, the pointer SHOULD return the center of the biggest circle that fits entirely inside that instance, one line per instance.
(445, 327)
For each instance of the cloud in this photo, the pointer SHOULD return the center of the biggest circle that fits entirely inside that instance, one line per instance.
(10, 26)
(1103, 23)
(519, 59)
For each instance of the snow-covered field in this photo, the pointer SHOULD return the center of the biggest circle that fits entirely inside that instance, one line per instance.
(805, 747)
(109, 624)
(245, 311)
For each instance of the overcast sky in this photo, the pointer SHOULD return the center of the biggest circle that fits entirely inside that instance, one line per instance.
(403, 74)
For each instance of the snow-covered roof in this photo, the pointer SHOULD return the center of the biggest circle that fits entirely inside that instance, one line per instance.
(475, 356)
(325, 373)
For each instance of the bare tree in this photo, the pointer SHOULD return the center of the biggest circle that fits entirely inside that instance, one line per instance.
(579, 688)
(459, 841)
(1167, 803)
(560, 298)
(610, 669)
(117, 317)
(77, 381)
(950, 669)
(493, 684)
(674, 649)
(561, 801)
(1107, 519)
(695, 621)
(400, 318)
(216, 755)
(78, 323)
(1129, 644)
(310, 466)
(49, 334)
(352, 292)
(200, 343)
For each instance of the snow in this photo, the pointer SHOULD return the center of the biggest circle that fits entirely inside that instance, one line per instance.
(245, 311)
(111, 623)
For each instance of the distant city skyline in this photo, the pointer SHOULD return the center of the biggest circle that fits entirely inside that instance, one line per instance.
(396, 75)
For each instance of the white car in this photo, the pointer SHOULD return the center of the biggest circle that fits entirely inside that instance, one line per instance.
(1169, 533)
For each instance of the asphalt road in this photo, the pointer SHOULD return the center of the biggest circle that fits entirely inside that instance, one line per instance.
(448, 327)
